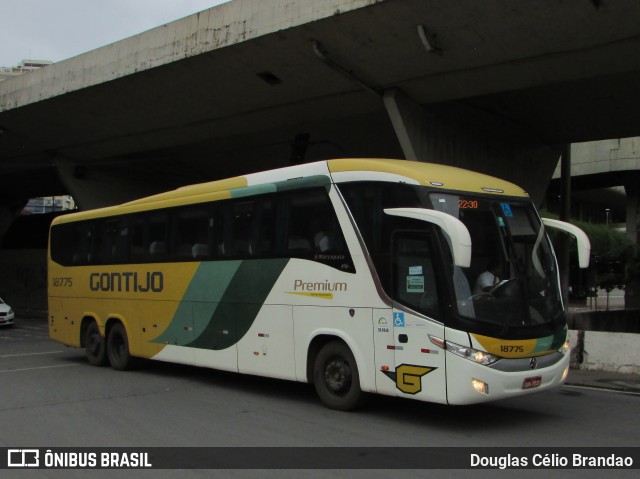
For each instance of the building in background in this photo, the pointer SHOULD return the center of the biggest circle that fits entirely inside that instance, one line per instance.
(49, 204)
(25, 66)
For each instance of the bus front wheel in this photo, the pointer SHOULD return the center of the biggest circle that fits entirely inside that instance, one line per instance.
(335, 377)
(95, 345)
(118, 348)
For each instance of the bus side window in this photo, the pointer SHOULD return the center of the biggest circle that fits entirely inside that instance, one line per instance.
(203, 246)
(263, 227)
(190, 228)
(111, 245)
(239, 218)
(70, 243)
(158, 237)
(139, 244)
(311, 229)
(414, 278)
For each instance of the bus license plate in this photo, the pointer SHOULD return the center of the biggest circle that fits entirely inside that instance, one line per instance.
(533, 382)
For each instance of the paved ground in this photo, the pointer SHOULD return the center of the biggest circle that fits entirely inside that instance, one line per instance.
(35, 329)
(605, 380)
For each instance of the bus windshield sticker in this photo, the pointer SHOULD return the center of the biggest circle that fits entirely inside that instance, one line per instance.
(415, 284)
(415, 270)
(506, 209)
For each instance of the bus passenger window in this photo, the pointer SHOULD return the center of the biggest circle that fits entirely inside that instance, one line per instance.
(310, 229)
(158, 237)
(112, 242)
(139, 249)
(191, 229)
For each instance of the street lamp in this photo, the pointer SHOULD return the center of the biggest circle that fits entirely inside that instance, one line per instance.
(607, 213)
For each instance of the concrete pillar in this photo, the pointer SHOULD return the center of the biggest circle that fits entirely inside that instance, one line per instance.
(6, 217)
(632, 188)
(505, 150)
(8, 212)
(406, 118)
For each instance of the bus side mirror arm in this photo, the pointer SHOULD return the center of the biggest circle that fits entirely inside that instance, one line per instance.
(584, 245)
(454, 230)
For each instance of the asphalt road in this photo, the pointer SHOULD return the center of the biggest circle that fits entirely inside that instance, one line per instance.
(51, 397)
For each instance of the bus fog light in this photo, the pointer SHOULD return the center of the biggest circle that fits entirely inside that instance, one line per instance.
(480, 386)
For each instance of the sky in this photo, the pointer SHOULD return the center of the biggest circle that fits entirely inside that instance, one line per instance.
(59, 29)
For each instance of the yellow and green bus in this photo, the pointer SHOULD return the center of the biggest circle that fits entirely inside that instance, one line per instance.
(357, 275)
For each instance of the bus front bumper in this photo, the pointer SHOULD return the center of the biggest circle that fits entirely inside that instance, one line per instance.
(470, 383)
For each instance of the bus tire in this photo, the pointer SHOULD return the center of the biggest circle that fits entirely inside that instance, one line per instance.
(335, 377)
(118, 348)
(95, 345)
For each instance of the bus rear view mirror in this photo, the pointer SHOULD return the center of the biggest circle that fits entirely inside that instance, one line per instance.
(454, 230)
(584, 245)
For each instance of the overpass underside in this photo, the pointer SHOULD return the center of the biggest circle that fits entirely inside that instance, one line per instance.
(498, 87)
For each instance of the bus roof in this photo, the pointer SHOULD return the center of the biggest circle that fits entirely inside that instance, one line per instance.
(426, 174)
(318, 173)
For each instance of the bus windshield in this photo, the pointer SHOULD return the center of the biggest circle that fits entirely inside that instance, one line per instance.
(512, 279)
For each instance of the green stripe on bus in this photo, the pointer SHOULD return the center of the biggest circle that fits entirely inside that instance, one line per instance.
(552, 342)
(253, 190)
(203, 295)
(240, 303)
(305, 182)
(221, 303)
(293, 184)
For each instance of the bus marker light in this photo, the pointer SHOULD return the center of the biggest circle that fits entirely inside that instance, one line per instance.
(480, 386)
(384, 369)
(437, 341)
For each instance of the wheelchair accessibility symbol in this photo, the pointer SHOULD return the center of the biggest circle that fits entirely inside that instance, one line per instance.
(398, 320)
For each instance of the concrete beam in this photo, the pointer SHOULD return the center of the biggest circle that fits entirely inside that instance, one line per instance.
(222, 26)
(426, 135)
(92, 187)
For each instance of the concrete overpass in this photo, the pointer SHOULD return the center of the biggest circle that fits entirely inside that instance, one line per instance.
(607, 174)
(497, 86)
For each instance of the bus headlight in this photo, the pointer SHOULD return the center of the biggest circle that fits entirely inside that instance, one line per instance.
(480, 357)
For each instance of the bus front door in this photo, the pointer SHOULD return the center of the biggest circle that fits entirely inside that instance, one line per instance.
(419, 363)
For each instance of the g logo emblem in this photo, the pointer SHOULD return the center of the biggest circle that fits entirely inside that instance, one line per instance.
(408, 378)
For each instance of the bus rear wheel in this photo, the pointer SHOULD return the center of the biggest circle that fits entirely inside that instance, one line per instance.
(118, 348)
(336, 379)
(95, 345)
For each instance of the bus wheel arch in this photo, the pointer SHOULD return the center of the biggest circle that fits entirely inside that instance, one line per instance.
(94, 343)
(332, 368)
(117, 348)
